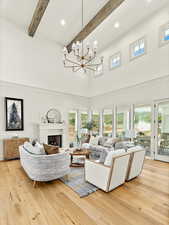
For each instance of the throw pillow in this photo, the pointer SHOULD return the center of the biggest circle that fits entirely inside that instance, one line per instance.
(94, 140)
(104, 154)
(111, 155)
(34, 142)
(108, 143)
(51, 149)
(111, 142)
(102, 141)
(33, 149)
(40, 147)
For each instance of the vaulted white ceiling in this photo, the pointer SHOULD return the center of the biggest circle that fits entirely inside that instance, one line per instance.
(130, 13)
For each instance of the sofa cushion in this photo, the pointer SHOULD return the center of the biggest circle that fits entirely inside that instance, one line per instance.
(94, 140)
(111, 155)
(102, 140)
(51, 149)
(124, 144)
(104, 154)
(111, 142)
(135, 148)
(37, 149)
(86, 146)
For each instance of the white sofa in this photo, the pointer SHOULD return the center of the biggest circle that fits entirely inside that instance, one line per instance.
(44, 167)
(105, 177)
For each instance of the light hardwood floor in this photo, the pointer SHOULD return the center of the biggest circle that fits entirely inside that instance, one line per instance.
(142, 201)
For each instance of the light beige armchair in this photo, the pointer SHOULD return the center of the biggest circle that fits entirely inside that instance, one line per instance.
(137, 156)
(108, 178)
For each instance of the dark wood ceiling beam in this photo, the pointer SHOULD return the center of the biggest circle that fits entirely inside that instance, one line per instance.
(37, 16)
(107, 9)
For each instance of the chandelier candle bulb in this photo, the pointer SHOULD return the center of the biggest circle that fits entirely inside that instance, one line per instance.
(65, 50)
(73, 46)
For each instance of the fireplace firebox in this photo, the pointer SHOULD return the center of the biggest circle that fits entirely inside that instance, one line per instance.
(55, 140)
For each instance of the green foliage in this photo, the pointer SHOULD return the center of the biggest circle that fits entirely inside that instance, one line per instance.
(72, 118)
(108, 119)
(142, 116)
(90, 125)
(84, 118)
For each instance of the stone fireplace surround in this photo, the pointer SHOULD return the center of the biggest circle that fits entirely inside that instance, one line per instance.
(50, 130)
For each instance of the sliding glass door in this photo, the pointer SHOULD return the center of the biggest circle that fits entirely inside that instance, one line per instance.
(107, 122)
(142, 127)
(72, 126)
(123, 122)
(83, 125)
(162, 131)
(96, 123)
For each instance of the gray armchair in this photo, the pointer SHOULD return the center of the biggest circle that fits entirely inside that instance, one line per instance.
(44, 167)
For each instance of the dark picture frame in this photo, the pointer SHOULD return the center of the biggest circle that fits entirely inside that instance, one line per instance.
(14, 114)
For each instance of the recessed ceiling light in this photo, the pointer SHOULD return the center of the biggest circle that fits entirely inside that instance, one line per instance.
(95, 42)
(63, 22)
(149, 1)
(117, 25)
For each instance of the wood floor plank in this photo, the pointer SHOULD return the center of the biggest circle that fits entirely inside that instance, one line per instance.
(141, 201)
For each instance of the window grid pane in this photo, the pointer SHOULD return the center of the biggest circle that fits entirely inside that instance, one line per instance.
(72, 125)
(96, 122)
(84, 119)
(115, 60)
(166, 35)
(107, 122)
(137, 48)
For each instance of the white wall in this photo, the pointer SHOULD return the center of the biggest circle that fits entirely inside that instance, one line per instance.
(26, 63)
(36, 104)
(150, 66)
(35, 62)
(144, 93)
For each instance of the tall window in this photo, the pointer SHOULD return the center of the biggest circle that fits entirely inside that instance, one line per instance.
(83, 119)
(96, 122)
(142, 126)
(138, 48)
(99, 71)
(107, 122)
(123, 123)
(72, 125)
(164, 34)
(115, 60)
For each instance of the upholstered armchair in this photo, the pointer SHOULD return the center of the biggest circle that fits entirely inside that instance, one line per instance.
(137, 156)
(44, 167)
(105, 177)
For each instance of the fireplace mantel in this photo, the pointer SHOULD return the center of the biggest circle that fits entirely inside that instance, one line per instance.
(50, 129)
(52, 126)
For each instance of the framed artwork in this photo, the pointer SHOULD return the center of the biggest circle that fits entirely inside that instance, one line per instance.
(14, 114)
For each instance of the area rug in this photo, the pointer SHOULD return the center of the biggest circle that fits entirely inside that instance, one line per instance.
(77, 182)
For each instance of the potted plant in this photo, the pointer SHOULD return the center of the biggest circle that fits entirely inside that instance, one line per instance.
(89, 126)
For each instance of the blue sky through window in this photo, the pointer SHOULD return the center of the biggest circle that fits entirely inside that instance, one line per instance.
(115, 61)
(138, 48)
(166, 35)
